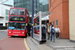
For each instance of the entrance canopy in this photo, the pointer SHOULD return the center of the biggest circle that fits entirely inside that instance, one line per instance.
(45, 18)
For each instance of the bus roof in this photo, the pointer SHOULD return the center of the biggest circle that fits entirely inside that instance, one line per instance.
(17, 8)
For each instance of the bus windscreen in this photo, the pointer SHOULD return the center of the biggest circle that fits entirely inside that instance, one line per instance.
(17, 26)
(17, 12)
(14, 18)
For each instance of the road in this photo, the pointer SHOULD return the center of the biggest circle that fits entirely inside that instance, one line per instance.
(12, 43)
(3, 34)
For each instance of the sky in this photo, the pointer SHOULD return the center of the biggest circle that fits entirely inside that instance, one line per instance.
(9, 2)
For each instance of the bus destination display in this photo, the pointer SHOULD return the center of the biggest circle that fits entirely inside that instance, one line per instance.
(17, 19)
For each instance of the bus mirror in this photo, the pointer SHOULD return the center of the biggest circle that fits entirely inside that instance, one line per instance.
(26, 24)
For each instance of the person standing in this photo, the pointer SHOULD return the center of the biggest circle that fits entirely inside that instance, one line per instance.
(28, 29)
(50, 27)
(57, 30)
(52, 33)
(48, 31)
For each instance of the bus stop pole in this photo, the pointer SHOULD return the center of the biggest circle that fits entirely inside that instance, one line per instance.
(36, 6)
(32, 15)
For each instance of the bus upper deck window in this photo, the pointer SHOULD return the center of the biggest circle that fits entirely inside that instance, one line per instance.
(17, 12)
(12, 13)
(22, 13)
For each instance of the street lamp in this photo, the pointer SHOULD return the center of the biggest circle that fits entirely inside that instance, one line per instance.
(33, 13)
(36, 6)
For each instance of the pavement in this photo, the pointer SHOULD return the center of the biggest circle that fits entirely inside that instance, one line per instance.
(60, 44)
(34, 45)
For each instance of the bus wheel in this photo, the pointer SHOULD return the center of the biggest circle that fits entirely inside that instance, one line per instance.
(26, 35)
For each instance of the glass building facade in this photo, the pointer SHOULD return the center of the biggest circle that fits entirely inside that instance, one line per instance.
(42, 5)
(7, 14)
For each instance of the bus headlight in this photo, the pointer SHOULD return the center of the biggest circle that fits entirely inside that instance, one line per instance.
(22, 32)
(9, 32)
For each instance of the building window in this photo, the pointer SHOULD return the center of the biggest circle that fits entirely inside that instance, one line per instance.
(7, 14)
(56, 22)
(7, 17)
(53, 23)
(42, 5)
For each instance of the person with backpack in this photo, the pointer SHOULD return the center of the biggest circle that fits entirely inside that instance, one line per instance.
(52, 33)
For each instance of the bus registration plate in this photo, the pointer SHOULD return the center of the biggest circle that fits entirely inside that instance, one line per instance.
(15, 35)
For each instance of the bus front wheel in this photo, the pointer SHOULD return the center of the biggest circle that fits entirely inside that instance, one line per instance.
(26, 35)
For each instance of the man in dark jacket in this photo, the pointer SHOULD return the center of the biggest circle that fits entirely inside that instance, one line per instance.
(28, 28)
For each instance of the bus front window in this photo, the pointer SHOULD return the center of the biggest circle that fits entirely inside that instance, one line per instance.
(17, 12)
(17, 26)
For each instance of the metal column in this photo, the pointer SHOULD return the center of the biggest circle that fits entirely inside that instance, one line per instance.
(32, 15)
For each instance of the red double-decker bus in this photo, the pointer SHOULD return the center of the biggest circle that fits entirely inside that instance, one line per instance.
(18, 19)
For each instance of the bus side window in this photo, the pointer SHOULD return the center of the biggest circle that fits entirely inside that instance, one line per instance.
(12, 13)
(25, 12)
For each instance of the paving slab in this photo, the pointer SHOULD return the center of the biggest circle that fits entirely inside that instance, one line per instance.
(61, 44)
(34, 45)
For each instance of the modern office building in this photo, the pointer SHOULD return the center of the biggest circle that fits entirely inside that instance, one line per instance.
(42, 5)
(60, 16)
(4, 13)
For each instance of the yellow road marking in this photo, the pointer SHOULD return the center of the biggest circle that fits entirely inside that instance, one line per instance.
(4, 38)
(1, 39)
(26, 44)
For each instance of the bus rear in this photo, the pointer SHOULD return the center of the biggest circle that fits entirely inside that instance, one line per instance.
(17, 22)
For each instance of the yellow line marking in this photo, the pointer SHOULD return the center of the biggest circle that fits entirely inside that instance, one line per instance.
(1, 39)
(4, 38)
(26, 44)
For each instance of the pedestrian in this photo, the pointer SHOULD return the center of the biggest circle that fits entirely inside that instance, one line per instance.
(52, 33)
(48, 31)
(28, 28)
(57, 30)
(50, 27)
(7, 25)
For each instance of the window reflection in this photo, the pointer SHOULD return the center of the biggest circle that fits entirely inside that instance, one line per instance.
(37, 19)
(18, 26)
(42, 5)
(17, 12)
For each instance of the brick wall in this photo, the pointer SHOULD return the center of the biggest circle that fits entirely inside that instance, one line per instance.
(60, 9)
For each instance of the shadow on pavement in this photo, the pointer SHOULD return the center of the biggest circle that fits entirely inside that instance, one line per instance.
(16, 37)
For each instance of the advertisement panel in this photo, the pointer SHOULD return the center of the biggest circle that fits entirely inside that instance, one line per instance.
(39, 29)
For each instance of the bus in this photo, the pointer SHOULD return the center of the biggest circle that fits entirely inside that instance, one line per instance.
(17, 21)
